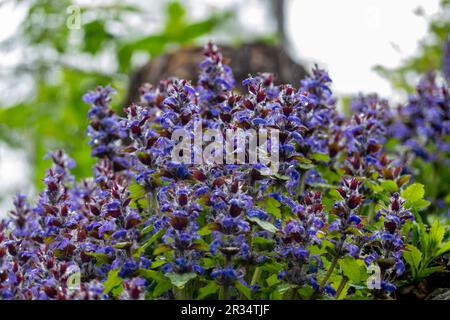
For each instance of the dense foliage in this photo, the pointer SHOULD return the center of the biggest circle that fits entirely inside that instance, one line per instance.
(342, 217)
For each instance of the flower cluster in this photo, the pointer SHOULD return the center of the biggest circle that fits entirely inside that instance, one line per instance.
(148, 226)
(104, 129)
(425, 119)
(295, 237)
(72, 238)
(390, 242)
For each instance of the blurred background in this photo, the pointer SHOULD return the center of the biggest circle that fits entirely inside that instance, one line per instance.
(53, 51)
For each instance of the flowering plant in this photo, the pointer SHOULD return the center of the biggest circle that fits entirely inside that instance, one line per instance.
(340, 218)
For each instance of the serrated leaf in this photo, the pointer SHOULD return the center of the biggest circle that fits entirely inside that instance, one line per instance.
(413, 257)
(264, 224)
(351, 269)
(180, 279)
(271, 206)
(414, 192)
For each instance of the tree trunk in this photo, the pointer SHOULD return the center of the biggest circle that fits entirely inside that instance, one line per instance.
(250, 58)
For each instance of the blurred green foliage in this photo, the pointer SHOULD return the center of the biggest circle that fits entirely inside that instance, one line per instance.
(64, 63)
(430, 52)
(435, 175)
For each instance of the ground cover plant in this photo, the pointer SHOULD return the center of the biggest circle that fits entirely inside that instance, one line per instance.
(348, 214)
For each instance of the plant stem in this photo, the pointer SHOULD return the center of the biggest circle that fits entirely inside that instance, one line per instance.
(302, 181)
(225, 291)
(341, 286)
(150, 203)
(330, 271)
(256, 276)
(181, 293)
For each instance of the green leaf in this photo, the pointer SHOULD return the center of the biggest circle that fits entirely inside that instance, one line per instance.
(204, 231)
(321, 157)
(286, 178)
(264, 224)
(149, 242)
(158, 263)
(147, 229)
(100, 258)
(161, 249)
(152, 275)
(272, 267)
(208, 263)
(389, 186)
(413, 257)
(161, 287)
(417, 205)
(246, 291)
(262, 243)
(334, 194)
(271, 206)
(211, 288)
(425, 272)
(305, 292)
(113, 281)
(272, 280)
(122, 245)
(351, 269)
(374, 187)
(162, 283)
(437, 232)
(414, 192)
(180, 279)
(443, 249)
(136, 191)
